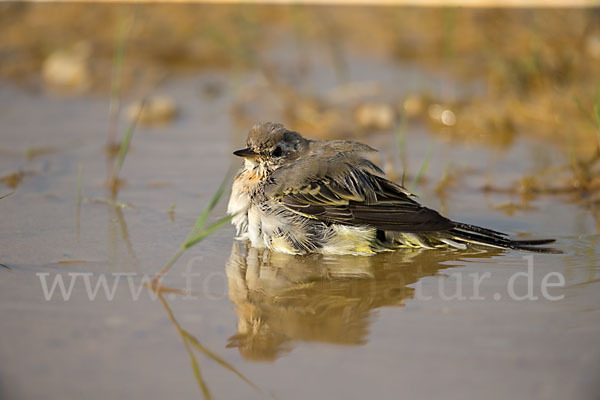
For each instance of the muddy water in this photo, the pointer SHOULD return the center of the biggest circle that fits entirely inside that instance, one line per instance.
(405, 324)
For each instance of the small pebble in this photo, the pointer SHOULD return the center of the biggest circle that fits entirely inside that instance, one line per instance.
(68, 69)
(157, 110)
(376, 116)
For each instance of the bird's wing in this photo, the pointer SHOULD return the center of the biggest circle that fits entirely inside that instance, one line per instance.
(353, 193)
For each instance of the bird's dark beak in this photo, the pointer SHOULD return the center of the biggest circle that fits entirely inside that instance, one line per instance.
(246, 153)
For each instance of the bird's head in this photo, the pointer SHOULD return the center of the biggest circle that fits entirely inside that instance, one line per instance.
(271, 145)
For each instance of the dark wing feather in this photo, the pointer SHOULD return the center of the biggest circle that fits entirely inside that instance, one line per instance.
(333, 183)
(362, 198)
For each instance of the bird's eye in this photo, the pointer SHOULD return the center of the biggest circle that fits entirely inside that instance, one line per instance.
(277, 152)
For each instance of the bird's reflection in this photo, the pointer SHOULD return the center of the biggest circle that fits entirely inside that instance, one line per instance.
(281, 299)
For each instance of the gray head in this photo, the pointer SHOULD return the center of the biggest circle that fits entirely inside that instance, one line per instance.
(272, 145)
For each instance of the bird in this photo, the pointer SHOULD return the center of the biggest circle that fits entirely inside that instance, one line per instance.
(300, 196)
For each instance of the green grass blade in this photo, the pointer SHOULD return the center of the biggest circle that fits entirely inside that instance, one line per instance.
(198, 237)
(423, 169)
(127, 140)
(199, 233)
(589, 116)
(6, 195)
(593, 117)
(571, 153)
(211, 205)
(118, 59)
(126, 25)
(401, 140)
(597, 118)
(597, 108)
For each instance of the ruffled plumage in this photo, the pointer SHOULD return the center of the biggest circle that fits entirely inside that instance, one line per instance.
(325, 196)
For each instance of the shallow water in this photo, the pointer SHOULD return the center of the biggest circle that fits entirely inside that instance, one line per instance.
(409, 323)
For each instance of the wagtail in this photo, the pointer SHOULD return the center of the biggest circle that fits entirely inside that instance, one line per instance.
(299, 196)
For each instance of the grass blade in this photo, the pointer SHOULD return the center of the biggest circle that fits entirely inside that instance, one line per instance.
(211, 205)
(126, 25)
(193, 240)
(186, 343)
(197, 373)
(217, 358)
(6, 195)
(126, 141)
(199, 233)
(584, 111)
(593, 117)
(597, 118)
(422, 170)
(401, 139)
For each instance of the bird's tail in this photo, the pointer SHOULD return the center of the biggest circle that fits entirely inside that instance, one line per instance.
(487, 237)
